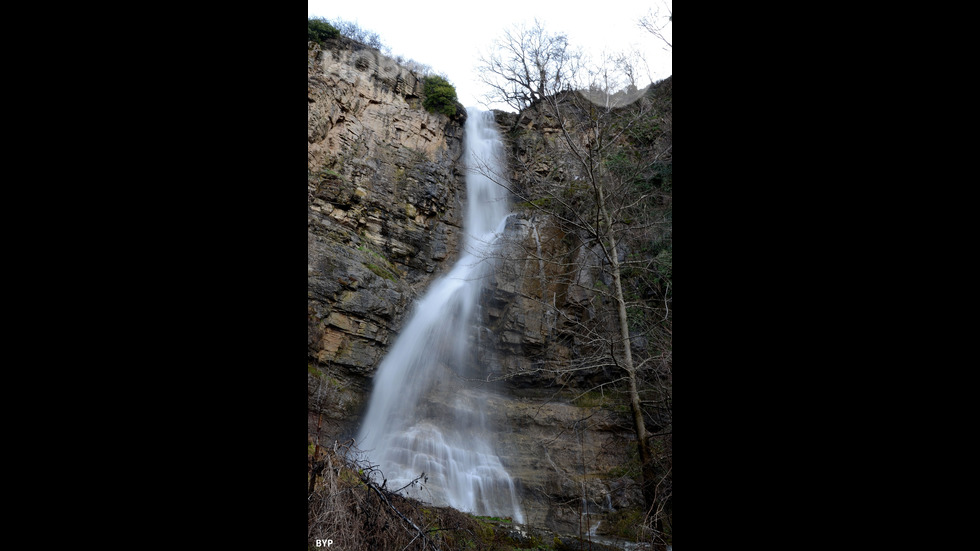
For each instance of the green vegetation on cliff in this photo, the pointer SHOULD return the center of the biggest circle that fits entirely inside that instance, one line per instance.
(320, 30)
(440, 96)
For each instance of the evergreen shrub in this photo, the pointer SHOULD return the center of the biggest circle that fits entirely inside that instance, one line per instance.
(320, 30)
(440, 96)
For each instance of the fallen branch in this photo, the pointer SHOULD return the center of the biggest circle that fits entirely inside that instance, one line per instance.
(412, 483)
(384, 499)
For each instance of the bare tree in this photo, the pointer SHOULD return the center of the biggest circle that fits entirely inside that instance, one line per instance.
(656, 22)
(352, 30)
(614, 218)
(526, 65)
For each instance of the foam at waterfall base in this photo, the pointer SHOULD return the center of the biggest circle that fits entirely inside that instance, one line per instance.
(464, 475)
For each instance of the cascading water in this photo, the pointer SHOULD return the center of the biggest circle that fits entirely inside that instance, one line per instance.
(426, 413)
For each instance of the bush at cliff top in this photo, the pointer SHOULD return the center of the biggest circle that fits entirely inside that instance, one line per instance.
(320, 30)
(440, 96)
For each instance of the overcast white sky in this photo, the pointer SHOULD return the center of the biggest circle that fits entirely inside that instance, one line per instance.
(449, 36)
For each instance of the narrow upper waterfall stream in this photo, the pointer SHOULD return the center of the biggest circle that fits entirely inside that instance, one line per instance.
(426, 412)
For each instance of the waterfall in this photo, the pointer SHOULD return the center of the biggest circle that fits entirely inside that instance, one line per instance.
(426, 412)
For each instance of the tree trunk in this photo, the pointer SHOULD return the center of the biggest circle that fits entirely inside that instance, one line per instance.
(647, 466)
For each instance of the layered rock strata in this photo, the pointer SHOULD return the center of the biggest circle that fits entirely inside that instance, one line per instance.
(385, 192)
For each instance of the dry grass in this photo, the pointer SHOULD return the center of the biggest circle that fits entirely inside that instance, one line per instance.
(346, 507)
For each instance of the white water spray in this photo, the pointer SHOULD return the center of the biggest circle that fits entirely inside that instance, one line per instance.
(426, 413)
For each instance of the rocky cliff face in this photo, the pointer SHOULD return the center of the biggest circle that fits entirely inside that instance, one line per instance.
(570, 449)
(386, 193)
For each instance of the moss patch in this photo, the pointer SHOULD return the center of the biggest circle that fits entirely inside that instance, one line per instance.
(380, 265)
(591, 399)
(315, 372)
